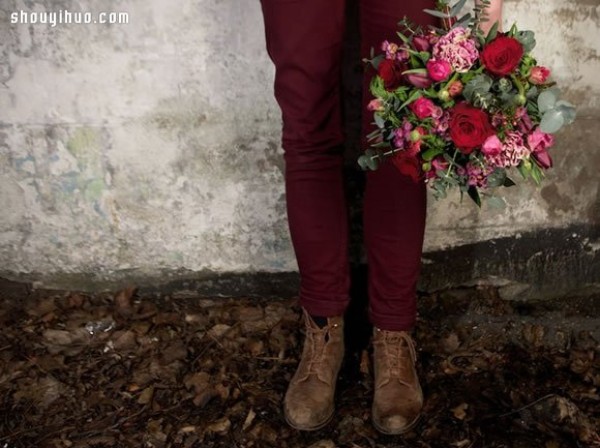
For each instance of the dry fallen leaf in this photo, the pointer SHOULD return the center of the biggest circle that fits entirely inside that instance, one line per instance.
(249, 419)
(460, 411)
(124, 301)
(220, 426)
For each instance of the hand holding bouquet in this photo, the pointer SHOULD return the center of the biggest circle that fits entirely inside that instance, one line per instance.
(461, 107)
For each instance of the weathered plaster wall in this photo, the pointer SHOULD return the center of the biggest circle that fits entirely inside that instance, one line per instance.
(152, 148)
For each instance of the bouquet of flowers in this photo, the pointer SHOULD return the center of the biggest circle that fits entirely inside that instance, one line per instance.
(460, 107)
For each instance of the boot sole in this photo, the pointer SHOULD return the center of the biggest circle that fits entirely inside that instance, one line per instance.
(308, 428)
(407, 428)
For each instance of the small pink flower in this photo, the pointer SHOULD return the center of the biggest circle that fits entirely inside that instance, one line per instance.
(439, 70)
(539, 141)
(492, 146)
(524, 123)
(439, 164)
(421, 43)
(455, 88)
(423, 108)
(539, 75)
(375, 105)
(477, 174)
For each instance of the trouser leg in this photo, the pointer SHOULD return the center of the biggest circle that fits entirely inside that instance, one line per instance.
(394, 209)
(304, 41)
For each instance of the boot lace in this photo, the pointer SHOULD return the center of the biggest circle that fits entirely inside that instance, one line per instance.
(316, 339)
(397, 346)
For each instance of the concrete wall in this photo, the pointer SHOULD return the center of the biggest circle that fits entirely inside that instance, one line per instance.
(150, 150)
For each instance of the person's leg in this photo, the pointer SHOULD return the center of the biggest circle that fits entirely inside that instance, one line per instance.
(394, 206)
(304, 41)
(394, 222)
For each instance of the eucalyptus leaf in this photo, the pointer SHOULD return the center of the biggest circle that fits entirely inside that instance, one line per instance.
(527, 39)
(377, 60)
(367, 161)
(567, 110)
(547, 99)
(552, 121)
(463, 21)
(495, 202)
(456, 8)
(435, 13)
(531, 93)
(497, 178)
(379, 121)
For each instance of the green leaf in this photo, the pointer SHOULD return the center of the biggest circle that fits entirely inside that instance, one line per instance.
(422, 71)
(379, 121)
(413, 97)
(492, 33)
(404, 39)
(524, 170)
(474, 194)
(536, 173)
(552, 121)
(429, 154)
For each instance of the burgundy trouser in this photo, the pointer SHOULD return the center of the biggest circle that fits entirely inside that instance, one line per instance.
(304, 41)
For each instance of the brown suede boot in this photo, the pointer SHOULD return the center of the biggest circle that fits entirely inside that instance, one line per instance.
(309, 400)
(398, 398)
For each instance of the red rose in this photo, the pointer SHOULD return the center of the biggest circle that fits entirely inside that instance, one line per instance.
(469, 127)
(502, 55)
(391, 73)
(408, 165)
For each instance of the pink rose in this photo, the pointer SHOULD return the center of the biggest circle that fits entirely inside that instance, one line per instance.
(455, 88)
(438, 69)
(539, 75)
(375, 105)
(421, 43)
(418, 80)
(423, 108)
(539, 141)
(492, 146)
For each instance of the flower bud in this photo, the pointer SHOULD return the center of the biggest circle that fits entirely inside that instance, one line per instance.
(415, 135)
(444, 95)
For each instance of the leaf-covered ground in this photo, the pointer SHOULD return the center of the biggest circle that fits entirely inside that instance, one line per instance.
(123, 370)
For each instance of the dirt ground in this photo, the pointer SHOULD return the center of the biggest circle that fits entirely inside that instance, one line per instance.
(121, 370)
